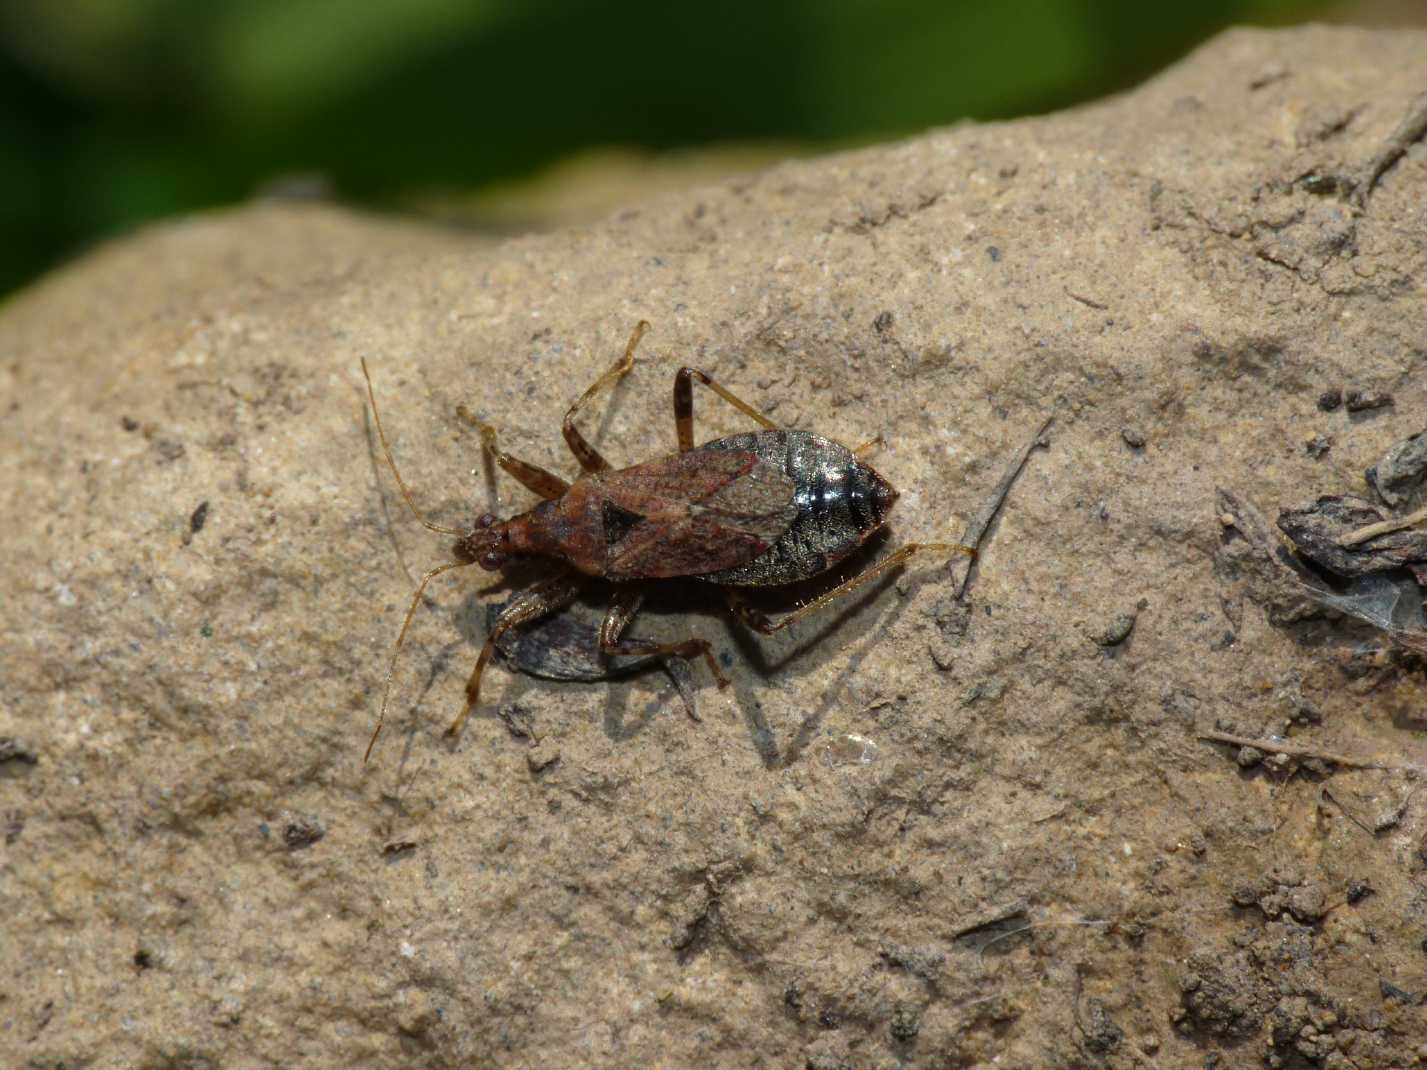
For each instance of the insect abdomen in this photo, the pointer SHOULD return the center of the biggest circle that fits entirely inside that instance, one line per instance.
(840, 501)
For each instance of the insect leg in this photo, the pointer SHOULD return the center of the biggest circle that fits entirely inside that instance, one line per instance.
(533, 477)
(623, 608)
(684, 405)
(587, 455)
(627, 600)
(861, 452)
(544, 597)
(760, 623)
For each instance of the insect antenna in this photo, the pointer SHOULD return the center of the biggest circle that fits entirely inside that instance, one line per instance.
(391, 463)
(401, 638)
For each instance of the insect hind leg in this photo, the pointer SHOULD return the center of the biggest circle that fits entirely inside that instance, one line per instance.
(626, 603)
(684, 405)
(589, 458)
(760, 623)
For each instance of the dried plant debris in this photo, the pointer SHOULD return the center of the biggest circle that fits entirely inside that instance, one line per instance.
(1355, 561)
(1279, 745)
(565, 645)
(981, 522)
(1253, 558)
(1348, 560)
(1366, 400)
(1349, 537)
(1401, 474)
(1392, 603)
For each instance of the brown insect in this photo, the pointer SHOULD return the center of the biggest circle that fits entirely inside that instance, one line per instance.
(758, 509)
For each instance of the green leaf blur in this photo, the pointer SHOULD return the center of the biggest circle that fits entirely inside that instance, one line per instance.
(116, 112)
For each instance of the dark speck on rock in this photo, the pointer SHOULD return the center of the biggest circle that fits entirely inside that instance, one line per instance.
(1391, 991)
(1117, 631)
(168, 450)
(906, 1024)
(302, 832)
(19, 751)
(1329, 400)
(1364, 400)
(1102, 1035)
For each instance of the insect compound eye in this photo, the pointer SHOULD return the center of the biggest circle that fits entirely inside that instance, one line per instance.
(491, 560)
(485, 520)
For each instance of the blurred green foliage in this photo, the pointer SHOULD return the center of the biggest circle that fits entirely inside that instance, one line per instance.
(113, 112)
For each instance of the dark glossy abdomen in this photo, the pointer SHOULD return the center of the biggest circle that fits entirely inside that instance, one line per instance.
(840, 502)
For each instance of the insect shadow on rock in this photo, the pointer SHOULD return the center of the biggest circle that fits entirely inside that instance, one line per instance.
(759, 509)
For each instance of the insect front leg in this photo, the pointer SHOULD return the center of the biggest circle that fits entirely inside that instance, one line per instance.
(544, 597)
(589, 458)
(759, 622)
(684, 405)
(627, 600)
(531, 476)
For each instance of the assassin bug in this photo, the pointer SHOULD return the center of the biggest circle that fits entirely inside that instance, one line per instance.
(758, 509)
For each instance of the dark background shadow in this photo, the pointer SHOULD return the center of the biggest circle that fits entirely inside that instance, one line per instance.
(115, 114)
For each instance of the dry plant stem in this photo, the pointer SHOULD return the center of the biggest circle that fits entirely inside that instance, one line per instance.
(1324, 793)
(1385, 527)
(976, 529)
(1408, 131)
(1296, 751)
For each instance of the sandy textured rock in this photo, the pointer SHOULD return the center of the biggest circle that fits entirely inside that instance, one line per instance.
(1024, 855)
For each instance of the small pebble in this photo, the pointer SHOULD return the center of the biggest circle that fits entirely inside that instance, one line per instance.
(1317, 446)
(1363, 400)
(1330, 400)
(1134, 438)
(1248, 757)
(1308, 903)
(1117, 631)
(15, 749)
(541, 757)
(302, 832)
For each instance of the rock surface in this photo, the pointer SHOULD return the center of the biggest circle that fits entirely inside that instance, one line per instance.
(920, 832)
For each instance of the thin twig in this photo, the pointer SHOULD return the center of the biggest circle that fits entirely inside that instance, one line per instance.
(1296, 751)
(1324, 793)
(1088, 301)
(1409, 130)
(1383, 527)
(976, 529)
